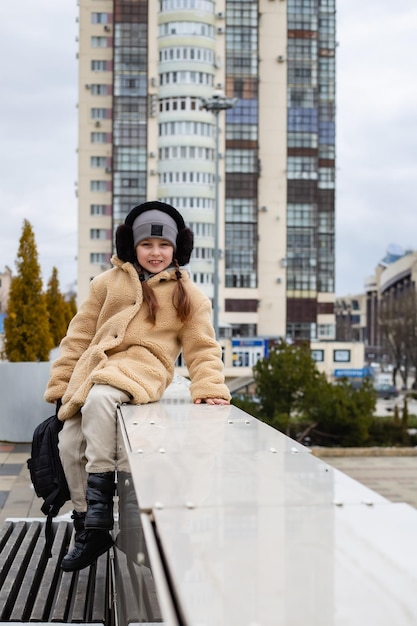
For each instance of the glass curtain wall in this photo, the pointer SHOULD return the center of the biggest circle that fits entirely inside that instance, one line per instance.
(242, 159)
(129, 106)
(310, 161)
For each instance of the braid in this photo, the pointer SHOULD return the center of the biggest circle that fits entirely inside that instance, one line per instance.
(149, 297)
(180, 298)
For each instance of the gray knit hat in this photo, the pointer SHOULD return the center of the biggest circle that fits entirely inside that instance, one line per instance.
(154, 223)
(125, 247)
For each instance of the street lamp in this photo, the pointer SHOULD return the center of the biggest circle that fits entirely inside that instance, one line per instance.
(218, 102)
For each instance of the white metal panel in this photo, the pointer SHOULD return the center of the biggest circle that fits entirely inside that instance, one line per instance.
(218, 456)
(256, 531)
(291, 566)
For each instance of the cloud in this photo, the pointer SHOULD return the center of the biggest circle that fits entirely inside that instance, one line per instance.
(376, 135)
(38, 127)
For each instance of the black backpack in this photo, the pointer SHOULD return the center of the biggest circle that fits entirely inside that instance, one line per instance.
(46, 472)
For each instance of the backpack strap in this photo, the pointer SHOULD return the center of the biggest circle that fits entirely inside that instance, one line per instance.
(49, 536)
(49, 510)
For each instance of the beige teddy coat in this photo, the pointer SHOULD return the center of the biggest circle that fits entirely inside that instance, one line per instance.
(110, 341)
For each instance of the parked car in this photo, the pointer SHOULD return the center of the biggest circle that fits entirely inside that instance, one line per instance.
(386, 391)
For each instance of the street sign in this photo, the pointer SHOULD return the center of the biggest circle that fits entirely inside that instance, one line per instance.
(351, 373)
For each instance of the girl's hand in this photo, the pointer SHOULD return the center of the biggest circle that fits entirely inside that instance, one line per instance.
(211, 401)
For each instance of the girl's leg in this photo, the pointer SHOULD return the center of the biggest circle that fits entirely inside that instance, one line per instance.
(99, 427)
(72, 453)
(91, 458)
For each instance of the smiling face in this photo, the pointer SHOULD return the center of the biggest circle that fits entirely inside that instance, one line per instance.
(154, 255)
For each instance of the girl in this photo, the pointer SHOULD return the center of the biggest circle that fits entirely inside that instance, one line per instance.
(120, 347)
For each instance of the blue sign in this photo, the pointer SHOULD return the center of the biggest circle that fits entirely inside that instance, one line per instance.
(251, 342)
(2, 317)
(351, 373)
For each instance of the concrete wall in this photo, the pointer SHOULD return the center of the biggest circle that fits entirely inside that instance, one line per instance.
(22, 406)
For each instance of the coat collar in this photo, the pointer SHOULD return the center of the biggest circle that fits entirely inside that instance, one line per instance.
(167, 274)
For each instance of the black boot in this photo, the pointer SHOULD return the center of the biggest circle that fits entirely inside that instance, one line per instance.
(88, 546)
(100, 492)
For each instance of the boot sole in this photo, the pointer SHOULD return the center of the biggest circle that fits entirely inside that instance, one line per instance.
(81, 563)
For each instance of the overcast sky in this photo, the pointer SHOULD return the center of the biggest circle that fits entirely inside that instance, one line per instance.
(376, 133)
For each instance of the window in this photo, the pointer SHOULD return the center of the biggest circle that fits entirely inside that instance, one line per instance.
(326, 331)
(202, 229)
(99, 138)
(317, 355)
(96, 161)
(302, 140)
(130, 85)
(185, 128)
(242, 132)
(99, 113)
(203, 253)
(98, 233)
(98, 185)
(99, 66)
(99, 42)
(97, 209)
(99, 258)
(301, 330)
(326, 178)
(129, 158)
(302, 97)
(302, 168)
(99, 18)
(99, 90)
(302, 48)
(241, 161)
(241, 210)
(341, 356)
(241, 254)
(186, 28)
(301, 215)
(201, 5)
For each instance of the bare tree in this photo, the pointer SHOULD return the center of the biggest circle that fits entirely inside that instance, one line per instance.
(398, 326)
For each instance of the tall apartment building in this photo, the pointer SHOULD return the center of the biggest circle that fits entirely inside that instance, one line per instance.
(145, 69)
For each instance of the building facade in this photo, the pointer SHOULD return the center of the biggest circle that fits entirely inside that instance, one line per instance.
(255, 182)
(5, 282)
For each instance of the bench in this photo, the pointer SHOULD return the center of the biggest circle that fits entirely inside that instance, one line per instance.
(34, 589)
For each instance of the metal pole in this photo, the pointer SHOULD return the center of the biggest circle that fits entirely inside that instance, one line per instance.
(217, 103)
(216, 234)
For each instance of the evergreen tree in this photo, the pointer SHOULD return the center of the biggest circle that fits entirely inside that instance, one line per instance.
(26, 327)
(285, 383)
(298, 400)
(71, 308)
(58, 309)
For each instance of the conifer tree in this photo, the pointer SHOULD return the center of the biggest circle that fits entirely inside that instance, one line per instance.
(57, 309)
(71, 308)
(26, 327)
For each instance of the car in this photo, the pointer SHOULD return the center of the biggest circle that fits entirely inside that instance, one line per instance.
(386, 391)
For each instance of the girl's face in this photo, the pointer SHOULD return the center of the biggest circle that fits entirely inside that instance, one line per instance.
(154, 255)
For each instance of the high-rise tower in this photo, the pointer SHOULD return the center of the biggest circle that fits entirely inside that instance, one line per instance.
(145, 71)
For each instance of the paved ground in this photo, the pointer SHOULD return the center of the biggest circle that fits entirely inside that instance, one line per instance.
(394, 477)
(17, 496)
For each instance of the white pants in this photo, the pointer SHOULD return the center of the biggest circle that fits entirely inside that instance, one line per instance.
(88, 441)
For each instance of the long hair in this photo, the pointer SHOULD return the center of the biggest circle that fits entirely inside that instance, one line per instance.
(180, 297)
